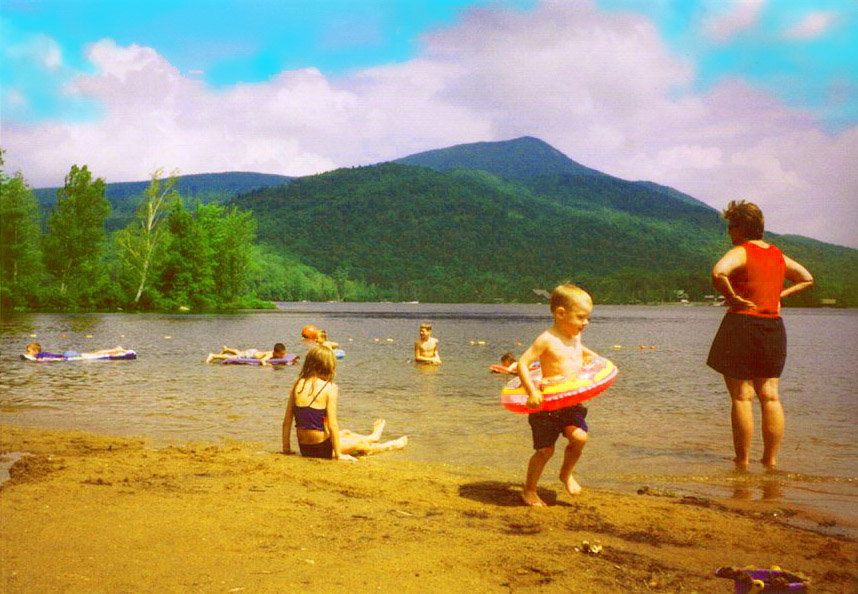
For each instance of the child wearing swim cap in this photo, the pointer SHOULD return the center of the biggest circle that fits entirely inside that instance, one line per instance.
(561, 354)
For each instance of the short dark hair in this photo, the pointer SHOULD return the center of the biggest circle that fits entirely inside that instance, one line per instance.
(280, 347)
(747, 216)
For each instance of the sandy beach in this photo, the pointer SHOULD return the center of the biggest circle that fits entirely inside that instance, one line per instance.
(90, 513)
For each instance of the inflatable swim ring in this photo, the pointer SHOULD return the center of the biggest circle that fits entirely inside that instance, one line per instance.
(309, 331)
(593, 379)
(287, 360)
(75, 356)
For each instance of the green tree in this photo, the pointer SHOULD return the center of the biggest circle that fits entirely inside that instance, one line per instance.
(187, 276)
(20, 258)
(232, 242)
(75, 239)
(140, 242)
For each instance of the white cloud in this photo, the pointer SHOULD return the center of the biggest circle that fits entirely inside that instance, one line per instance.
(811, 26)
(741, 15)
(602, 88)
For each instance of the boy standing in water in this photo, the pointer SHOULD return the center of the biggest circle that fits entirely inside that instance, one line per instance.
(426, 349)
(561, 355)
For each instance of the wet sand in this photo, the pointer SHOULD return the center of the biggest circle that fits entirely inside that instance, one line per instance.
(89, 513)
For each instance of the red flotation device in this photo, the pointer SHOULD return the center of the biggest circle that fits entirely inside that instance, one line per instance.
(594, 378)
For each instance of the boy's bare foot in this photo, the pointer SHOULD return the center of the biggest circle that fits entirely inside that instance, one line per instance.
(209, 358)
(377, 428)
(398, 444)
(532, 499)
(572, 486)
(770, 464)
(740, 464)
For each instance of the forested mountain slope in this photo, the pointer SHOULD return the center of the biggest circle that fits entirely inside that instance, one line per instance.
(416, 233)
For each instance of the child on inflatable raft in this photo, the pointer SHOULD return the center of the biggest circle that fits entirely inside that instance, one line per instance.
(278, 353)
(35, 353)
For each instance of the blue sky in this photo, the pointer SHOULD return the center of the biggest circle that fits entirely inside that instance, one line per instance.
(713, 97)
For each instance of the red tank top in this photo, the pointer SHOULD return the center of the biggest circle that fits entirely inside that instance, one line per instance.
(761, 280)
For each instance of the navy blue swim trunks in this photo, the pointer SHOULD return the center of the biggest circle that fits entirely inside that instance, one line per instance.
(547, 425)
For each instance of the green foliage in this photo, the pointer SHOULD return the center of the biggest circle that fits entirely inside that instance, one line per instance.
(407, 233)
(475, 223)
(74, 244)
(20, 257)
(139, 243)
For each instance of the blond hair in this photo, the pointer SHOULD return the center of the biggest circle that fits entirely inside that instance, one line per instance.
(747, 216)
(569, 296)
(427, 325)
(319, 362)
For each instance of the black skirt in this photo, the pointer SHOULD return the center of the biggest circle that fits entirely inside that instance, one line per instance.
(749, 347)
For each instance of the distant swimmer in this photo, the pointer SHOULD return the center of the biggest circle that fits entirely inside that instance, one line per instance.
(426, 349)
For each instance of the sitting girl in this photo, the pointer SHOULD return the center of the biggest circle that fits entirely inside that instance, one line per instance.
(313, 406)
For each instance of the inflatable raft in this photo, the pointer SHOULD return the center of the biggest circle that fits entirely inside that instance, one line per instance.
(287, 360)
(75, 356)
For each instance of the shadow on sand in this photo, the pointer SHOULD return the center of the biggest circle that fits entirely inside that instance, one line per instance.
(503, 494)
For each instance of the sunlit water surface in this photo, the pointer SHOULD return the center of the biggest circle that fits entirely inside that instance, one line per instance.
(664, 423)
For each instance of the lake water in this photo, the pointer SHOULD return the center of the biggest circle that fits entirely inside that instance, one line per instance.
(664, 423)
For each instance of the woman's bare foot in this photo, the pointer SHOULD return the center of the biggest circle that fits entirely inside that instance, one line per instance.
(532, 499)
(770, 464)
(572, 486)
(740, 464)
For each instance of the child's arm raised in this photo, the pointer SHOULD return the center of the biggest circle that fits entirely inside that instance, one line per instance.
(531, 355)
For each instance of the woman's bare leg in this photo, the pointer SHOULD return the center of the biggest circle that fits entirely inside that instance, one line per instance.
(773, 419)
(741, 418)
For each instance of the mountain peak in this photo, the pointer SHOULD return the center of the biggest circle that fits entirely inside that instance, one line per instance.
(517, 158)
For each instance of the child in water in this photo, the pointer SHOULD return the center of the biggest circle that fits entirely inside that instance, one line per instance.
(561, 354)
(313, 407)
(426, 348)
(34, 350)
(278, 352)
(322, 338)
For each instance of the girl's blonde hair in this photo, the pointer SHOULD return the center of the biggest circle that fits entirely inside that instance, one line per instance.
(319, 362)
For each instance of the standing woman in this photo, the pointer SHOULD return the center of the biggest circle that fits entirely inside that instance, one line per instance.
(749, 349)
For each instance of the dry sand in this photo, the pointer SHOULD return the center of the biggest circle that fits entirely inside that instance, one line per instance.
(86, 513)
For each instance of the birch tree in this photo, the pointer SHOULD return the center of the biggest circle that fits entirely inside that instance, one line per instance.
(140, 242)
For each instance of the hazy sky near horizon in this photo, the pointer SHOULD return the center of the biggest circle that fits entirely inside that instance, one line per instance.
(721, 99)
